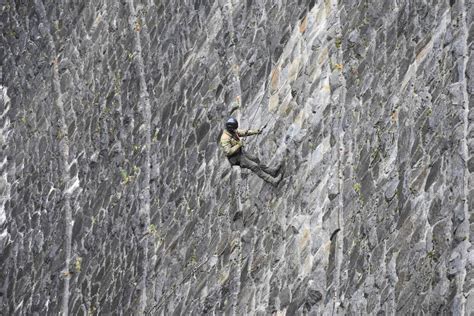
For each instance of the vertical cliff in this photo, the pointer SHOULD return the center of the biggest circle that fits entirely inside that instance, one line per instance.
(116, 199)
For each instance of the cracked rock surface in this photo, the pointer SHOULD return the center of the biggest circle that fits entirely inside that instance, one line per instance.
(115, 198)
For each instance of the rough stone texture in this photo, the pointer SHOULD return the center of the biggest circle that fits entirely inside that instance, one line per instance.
(115, 198)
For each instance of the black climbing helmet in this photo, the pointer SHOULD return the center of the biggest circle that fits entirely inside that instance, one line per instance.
(231, 124)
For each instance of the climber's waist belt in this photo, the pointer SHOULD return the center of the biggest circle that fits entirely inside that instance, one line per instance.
(238, 152)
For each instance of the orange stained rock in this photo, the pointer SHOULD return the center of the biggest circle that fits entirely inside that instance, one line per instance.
(305, 238)
(275, 80)
(394, 116)
(304, 24)
(138, 26)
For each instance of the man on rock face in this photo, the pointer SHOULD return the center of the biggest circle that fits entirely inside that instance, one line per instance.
(232, 146)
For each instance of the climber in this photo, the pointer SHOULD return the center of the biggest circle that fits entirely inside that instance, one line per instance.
(232, 145)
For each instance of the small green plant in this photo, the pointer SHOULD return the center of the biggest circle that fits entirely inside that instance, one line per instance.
(376, 155)
(125, 176)
(357, 188)
(153, 232)
(57, 26)
(432, 255)
(136, 149)
(78, 264)
(223, 276)
(152, 229)
(91, 310)
(338, 42)
(189, 210)
(194, 257)
(155, 136)
(106, 110)
(136, 170)
(117, 83)
(59, 135)
(12, 33)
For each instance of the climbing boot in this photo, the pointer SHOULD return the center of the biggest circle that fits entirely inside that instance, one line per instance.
(274, 171)
(276, 180)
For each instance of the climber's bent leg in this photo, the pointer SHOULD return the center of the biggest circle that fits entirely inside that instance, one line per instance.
(250, 162)
(273, 171)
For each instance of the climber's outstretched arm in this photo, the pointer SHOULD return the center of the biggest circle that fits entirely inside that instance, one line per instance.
(248, 132)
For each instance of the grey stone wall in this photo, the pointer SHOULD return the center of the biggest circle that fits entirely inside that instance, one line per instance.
(116, 199)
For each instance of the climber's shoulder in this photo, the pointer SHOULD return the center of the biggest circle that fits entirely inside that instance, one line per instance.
(225, 135)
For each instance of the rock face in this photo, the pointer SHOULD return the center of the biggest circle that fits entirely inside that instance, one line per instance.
(116, 199)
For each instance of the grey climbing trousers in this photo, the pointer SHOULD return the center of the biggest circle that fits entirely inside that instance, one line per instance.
(245, 160)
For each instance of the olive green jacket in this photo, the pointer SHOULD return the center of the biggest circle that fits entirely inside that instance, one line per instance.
(231, 143)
